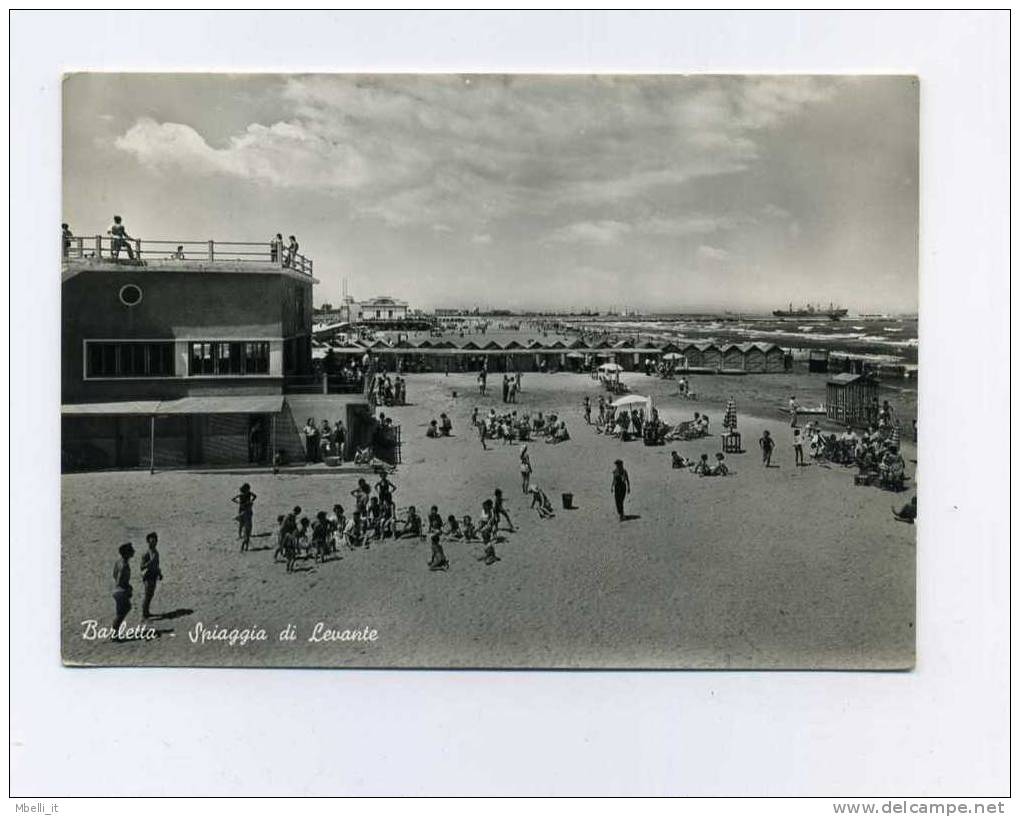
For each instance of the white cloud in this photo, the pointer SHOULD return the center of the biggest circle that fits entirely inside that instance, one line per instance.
(440, 149)
(591, 232)
(710, 253)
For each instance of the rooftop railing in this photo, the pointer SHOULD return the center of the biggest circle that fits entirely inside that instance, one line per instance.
(136, 249)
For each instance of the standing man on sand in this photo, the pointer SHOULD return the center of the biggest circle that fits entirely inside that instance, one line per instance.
(149, 565)
(621, 486)
(122, 585)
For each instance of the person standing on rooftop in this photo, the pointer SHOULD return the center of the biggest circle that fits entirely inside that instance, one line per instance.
(66, 236)
(292, 248)
(119, 239)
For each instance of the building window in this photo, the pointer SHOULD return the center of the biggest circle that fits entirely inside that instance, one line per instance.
(129, 359)
(228, 358)
(130, 294)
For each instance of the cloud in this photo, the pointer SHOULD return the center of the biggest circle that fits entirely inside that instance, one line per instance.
(420, 150)
(481, 238)
(591, 232)
(709, 253)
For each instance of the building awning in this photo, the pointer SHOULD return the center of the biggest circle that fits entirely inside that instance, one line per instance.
(123, 407)
(248, 404)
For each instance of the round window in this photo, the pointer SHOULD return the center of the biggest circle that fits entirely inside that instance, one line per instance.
(130, 294)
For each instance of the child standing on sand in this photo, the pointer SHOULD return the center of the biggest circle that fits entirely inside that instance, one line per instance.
(245, 499)
(767, 444)
(798, 447)
(498, 509)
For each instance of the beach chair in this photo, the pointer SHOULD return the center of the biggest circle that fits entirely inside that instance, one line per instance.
(731, 443)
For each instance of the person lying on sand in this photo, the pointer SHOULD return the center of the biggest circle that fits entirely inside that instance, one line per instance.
(540, 501)
(680, 462)
(720, 469)
(702, 468)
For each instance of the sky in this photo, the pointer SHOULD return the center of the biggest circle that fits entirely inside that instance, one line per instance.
(679, 193)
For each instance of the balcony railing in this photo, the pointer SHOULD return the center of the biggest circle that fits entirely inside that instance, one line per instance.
(107, 247)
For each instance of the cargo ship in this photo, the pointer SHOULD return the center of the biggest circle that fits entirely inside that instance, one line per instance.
(833, 313)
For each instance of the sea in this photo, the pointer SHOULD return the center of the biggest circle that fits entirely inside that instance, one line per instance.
(883, 340)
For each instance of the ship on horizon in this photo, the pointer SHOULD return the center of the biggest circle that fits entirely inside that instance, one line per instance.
(833, 313)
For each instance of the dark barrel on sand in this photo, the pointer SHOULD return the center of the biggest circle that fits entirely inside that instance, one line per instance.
(568, 501)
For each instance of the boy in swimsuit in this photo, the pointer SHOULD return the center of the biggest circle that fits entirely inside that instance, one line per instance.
(245, 499)
(499, 510)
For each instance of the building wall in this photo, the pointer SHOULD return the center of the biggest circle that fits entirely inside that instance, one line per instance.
(182, 306)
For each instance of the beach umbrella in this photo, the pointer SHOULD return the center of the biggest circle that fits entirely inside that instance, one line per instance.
(730, 418)
(631, 399)
(575, 355)
(672, 356)
(895, 436)
(610, 367)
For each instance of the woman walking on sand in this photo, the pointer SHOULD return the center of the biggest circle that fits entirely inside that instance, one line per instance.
(525, 469)
(621, 486)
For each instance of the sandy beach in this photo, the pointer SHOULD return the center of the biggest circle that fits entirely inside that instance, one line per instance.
(780, 568)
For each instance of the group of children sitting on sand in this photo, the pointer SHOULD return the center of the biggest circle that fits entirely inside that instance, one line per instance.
(441, 429)
(511, 427)
(702, 467)
(375, 519)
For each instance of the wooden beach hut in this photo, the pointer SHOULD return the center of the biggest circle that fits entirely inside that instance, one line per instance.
(754, 358)
(711, 356)
(692, 352)
(775, 357)
(849, 398)
(732, 357)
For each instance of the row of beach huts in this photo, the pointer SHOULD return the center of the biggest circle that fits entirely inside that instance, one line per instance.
(576, 354)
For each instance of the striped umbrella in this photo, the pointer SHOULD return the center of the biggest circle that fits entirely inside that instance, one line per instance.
(730, 418)
(895, 436)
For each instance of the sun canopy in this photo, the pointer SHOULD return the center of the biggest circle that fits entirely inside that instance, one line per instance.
(632, 399)
(673, 356)
(610, 367)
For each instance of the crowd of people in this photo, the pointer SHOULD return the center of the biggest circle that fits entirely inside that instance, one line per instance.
(511, 427)
(375, 519)
(324, 441)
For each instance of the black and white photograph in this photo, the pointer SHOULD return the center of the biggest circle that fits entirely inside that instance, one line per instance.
(463, 404)
(489, 371)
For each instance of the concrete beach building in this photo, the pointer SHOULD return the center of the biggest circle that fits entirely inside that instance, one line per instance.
(182, 354)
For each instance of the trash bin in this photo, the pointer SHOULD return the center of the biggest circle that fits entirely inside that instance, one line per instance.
(568, 501)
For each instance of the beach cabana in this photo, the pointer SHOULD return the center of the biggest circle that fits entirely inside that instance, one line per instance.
(775, 358)
(849, 398)
(754, 358)
(711, 356)
(692, 352)
(732, 357)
